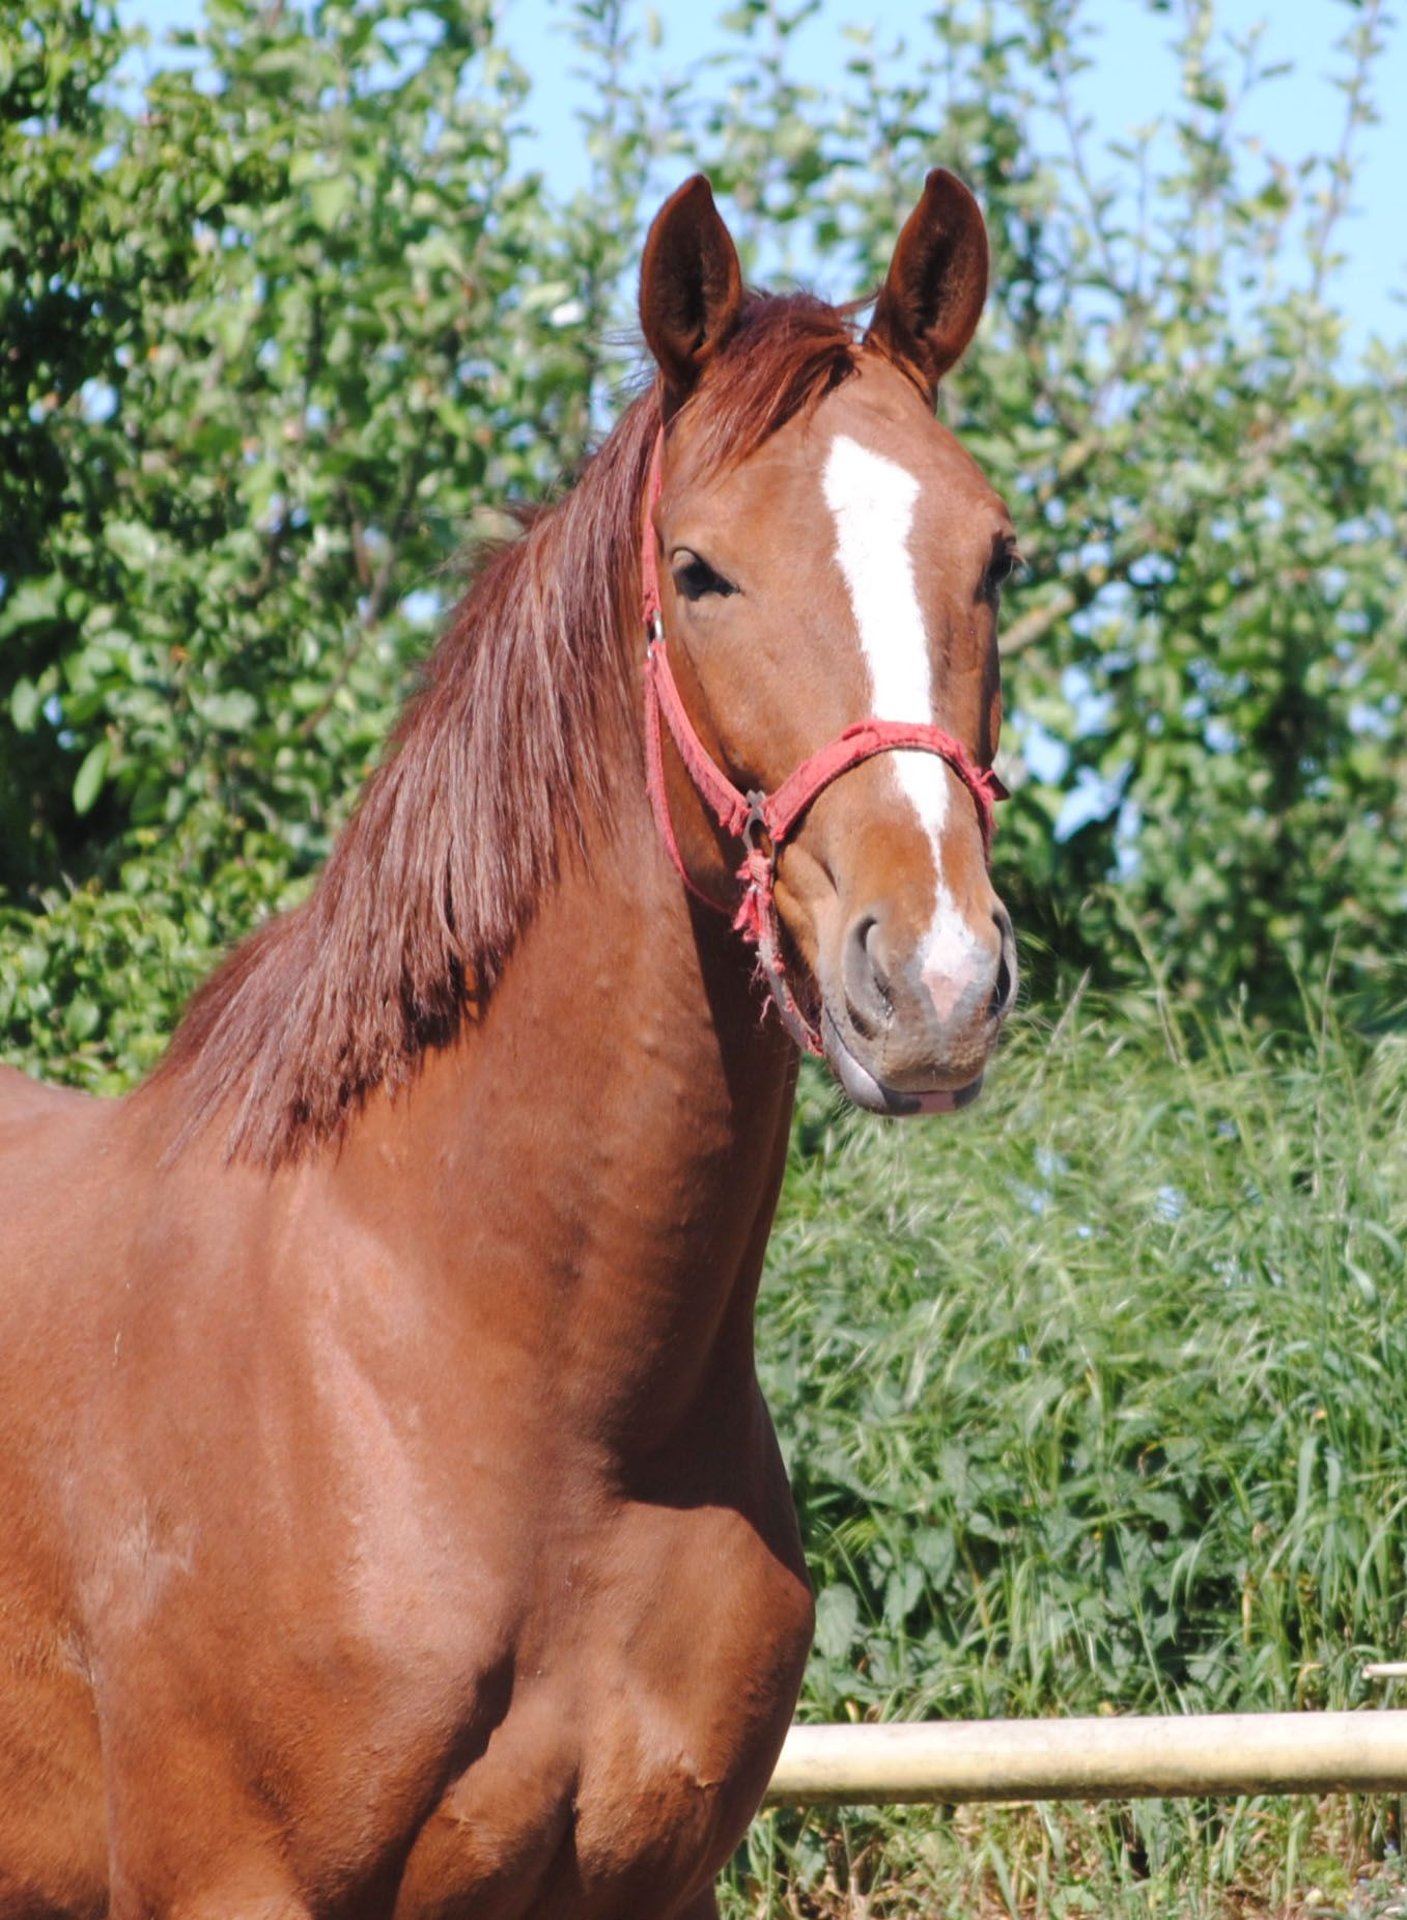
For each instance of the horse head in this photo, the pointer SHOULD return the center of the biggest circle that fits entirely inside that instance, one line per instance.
(826, 562)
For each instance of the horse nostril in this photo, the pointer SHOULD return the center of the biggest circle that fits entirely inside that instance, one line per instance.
(1004, 991)
(1001, 992)
(867, 993)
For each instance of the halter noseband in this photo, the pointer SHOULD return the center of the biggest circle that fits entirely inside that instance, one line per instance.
(764, 821)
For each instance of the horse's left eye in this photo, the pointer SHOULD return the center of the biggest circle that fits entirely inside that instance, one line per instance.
(694, 578)
(1000, 568)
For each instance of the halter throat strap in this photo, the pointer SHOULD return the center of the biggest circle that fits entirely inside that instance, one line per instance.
(764, 822)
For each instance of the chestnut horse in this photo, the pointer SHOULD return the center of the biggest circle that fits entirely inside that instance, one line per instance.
(392, 1521)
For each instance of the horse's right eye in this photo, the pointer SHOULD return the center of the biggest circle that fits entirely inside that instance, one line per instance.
(694, 578)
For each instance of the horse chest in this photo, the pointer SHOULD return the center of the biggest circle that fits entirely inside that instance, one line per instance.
(622, 1773)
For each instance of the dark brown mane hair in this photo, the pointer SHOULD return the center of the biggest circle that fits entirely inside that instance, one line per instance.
(490, 777)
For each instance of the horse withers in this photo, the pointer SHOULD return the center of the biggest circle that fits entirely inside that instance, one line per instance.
(392, 1522)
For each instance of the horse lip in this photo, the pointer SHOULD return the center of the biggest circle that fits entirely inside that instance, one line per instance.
(862, 1087)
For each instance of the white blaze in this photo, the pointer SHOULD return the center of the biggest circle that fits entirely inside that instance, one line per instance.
(872, 502)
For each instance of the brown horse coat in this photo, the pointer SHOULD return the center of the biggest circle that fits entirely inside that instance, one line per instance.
(392, 1521)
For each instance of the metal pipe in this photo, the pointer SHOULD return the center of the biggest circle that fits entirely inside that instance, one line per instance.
(1162, 1757)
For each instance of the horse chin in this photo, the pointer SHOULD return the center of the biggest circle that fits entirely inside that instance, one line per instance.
(864, 1090)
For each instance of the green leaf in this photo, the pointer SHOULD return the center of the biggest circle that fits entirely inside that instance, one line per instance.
(26, 703)
(837, 1621)
(232, 712)
(82, 1018)
(329, 199)
(32, 603)
(88, 781)
(133, 542)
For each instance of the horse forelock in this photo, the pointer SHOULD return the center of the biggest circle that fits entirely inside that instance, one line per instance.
(498, 764)
(787, 352)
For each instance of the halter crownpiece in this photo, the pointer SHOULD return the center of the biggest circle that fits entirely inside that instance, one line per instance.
(763, 822)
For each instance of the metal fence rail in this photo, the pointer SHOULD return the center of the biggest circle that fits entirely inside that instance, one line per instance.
(1096, 1759)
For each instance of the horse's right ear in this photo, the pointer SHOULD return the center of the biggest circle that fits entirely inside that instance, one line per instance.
(691, 288)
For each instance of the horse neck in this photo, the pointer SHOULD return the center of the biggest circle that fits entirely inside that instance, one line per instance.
(592, 1168)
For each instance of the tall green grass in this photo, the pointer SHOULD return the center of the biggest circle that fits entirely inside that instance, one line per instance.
(1095, 1400)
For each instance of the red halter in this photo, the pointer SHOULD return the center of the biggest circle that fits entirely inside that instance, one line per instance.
(764, 821)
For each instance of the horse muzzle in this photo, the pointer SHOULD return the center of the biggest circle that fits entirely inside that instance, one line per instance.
(908, 1026)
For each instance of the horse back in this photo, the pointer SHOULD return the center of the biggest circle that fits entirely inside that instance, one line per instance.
(53, 1141)
(23, 1098)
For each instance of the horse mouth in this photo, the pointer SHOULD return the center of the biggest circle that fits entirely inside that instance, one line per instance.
(865, 1090)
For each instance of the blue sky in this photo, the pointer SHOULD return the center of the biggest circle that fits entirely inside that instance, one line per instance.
(1133, 82)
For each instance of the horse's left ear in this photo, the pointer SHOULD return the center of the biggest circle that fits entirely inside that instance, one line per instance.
(932, 298)
(691, 287)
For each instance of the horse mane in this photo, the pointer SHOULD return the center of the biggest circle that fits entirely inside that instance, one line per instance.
(493, 771)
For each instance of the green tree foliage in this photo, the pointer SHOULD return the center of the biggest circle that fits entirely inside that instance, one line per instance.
(1212, 502)
(285, 328)
(272, 342)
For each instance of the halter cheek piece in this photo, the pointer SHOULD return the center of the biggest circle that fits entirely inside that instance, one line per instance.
(763, 822)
